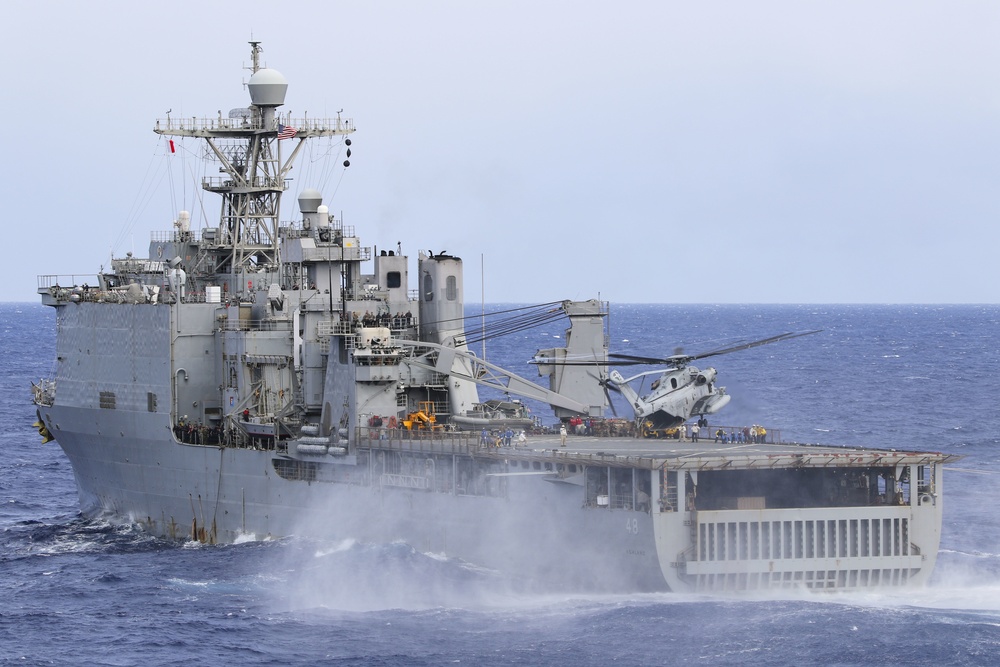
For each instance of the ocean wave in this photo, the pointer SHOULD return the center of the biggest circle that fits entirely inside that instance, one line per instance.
(75, 536)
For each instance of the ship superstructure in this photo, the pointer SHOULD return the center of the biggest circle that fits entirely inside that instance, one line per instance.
(252, 377)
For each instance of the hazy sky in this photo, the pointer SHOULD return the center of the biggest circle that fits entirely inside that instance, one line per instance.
(729, 152)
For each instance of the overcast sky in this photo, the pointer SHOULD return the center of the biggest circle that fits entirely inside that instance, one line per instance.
(661, 152)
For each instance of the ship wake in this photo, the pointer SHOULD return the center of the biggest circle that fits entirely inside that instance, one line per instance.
(355, 576)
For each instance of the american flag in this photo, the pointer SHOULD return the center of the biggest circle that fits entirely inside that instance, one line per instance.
(286, 131)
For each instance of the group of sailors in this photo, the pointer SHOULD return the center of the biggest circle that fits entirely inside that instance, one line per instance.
(196, 433)
(397, 321)
(755, 434)
(502, 437)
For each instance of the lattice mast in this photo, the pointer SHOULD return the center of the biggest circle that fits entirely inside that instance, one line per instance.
(248, 148)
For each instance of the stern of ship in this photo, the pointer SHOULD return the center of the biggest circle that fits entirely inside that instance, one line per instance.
(849, 531)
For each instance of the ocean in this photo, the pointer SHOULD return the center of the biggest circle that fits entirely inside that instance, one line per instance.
(80, 592)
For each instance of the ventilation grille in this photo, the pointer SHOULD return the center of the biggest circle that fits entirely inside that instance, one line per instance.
(732, 553)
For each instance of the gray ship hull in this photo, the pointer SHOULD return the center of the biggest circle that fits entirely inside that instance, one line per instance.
(537, 530)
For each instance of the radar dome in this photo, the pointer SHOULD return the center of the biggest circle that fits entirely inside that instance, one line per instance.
(309, 200)
(267, 88)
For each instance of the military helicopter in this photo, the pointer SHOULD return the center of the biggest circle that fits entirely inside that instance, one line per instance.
(681, 390)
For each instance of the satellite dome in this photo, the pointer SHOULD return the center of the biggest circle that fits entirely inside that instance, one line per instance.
(309, 200)
(267, 88)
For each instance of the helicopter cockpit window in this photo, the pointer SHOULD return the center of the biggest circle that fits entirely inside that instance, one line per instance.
(673, 383)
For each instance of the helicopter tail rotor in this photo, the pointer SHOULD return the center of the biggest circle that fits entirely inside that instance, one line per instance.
(607, 384)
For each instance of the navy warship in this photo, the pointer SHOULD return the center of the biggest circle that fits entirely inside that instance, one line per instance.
(268, 378)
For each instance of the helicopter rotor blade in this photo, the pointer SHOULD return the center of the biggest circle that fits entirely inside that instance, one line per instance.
(678, 360)
(583, 361)
(757, 343)
(631, 360)
(607, 395)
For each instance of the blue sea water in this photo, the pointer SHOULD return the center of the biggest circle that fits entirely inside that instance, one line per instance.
(76, 592)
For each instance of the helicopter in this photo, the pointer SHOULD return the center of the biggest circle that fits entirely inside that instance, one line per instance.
(681, 390)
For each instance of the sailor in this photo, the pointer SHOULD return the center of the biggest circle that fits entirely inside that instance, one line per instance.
(642, 501)
(562, 435)
(246, 414)
(695, 429)
(521, 438)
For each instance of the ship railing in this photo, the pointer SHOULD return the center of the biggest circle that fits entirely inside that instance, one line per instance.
(175, 236)
(240, 324)
(216, 182)
(241, 124)
(337, 124)
(44, 393)
(366, 293)
(58, 293)
(47, 282)
(621, 501)
(398, 325)
(135, 265)
(341, 328)
(210, 124)
(294, 229)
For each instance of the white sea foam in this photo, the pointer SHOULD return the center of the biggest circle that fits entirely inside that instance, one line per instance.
(340, 547)
(244, 538)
